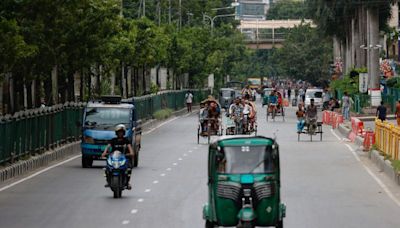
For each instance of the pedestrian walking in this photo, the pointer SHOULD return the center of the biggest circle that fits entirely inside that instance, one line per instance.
(398, 112)
(346, 103)
(189, 100)
(381, 112)
(289, 93)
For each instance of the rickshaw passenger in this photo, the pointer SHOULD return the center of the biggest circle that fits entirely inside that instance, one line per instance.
(300, 118)
(237, 110)
(213, 114)
(246, 92)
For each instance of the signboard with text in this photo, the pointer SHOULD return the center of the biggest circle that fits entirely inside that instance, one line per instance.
(363, 82)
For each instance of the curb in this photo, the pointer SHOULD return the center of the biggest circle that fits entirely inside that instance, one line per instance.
(384, 166)
(344, 131)
(23, 167)
(381, 163)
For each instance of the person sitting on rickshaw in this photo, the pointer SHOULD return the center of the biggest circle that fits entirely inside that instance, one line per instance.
(272, 101)
(237, 111)
(247, 109)
(246, 92)
(203, 116)
(311, 115)
(213, 114)
(300, 113)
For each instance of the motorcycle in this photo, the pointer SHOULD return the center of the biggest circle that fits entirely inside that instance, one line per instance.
(117, 173)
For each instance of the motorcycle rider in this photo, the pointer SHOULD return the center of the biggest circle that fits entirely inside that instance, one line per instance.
(123, 145)
(311, 114)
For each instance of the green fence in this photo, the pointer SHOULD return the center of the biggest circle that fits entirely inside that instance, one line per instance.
(360, 101)
(33, 131)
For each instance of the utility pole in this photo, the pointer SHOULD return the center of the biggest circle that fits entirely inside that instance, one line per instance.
(180, 14)
(144, 8)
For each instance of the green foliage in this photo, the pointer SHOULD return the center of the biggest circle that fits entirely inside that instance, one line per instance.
(345, 85)
(305, 55)
(163, 114)
(393, 82)
(288, 9)
(396, 165)
(154, 88)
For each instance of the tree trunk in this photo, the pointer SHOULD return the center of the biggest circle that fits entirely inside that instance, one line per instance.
(33, 93)
(123, 81)
(129, 81)
(82, 86)
(144, 78)
(25, 95)
(54, 84)
(12, 93)
(112, 82)
(1, 98)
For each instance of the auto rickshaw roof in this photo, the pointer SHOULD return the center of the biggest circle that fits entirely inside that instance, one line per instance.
(243, 140)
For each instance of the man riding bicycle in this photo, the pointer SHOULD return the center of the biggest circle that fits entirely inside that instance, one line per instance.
(237, 112)
(311, 116)
(272, 101)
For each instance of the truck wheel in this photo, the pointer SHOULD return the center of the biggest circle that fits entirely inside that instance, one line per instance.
(136, 157)
(87, 162)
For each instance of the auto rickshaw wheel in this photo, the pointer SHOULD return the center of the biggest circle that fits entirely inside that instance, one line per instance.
(87, 162)
(245, 225)
(280, 224)
(209, 224)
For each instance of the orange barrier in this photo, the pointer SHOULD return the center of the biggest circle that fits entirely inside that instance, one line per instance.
(369, 140)
(357, 128)
(286, 103)
(326, 117)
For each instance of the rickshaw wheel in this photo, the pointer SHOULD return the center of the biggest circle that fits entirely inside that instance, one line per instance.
(198, 135)
(298, 136)
(273, 114)
(311, 137)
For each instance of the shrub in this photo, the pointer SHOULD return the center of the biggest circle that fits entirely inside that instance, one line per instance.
(162, 114)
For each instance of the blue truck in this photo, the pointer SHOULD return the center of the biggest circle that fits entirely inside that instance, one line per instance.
(99, 120)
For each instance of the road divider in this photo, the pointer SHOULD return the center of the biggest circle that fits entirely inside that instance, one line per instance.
(387, 137)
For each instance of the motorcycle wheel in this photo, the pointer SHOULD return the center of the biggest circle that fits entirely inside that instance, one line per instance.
(117, 193)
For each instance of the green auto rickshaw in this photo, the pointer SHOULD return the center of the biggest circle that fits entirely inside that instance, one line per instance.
(244, 183)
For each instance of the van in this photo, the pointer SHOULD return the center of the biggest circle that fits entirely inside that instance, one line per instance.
(315, 94)
(99, 120)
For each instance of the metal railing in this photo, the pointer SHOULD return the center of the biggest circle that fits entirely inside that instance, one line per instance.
(387, 139)
(35, 131)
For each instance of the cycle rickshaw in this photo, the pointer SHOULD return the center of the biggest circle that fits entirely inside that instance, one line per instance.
(210, 123)
(277, 109)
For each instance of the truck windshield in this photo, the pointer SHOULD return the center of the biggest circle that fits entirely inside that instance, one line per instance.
(107, 117)
(247, 159)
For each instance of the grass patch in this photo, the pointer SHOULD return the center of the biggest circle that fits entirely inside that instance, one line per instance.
(396, 165)
(162, 114)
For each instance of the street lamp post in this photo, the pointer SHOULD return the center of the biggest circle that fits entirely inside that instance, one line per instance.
(212, 19)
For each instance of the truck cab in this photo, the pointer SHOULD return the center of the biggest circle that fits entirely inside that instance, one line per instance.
(99, 120)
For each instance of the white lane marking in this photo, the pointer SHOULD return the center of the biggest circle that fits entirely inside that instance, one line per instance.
(369, 171)
(125, 222)
(180, 159)
(140, 200)
(147, 190)
(337, 136)
(162, 175)
(153, 129)
(155, 182)
(190, 151)
(38, 173)
(175, 164)
(168, 169)
(353, 152)
(184, 155)
(134, 211)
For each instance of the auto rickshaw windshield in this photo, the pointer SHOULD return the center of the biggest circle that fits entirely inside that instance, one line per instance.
(246, 159)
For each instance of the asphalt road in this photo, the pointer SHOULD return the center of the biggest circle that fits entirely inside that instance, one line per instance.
(323, 185)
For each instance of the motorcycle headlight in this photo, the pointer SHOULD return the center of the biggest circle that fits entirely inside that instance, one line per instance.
(116, 164)
(122, 162)
(109, 161)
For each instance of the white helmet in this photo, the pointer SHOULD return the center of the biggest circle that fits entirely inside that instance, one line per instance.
(120, 127)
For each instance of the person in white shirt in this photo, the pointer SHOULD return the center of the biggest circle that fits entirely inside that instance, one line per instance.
(189, 100)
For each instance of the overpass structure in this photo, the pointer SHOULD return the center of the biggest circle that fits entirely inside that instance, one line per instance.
(267, 34)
